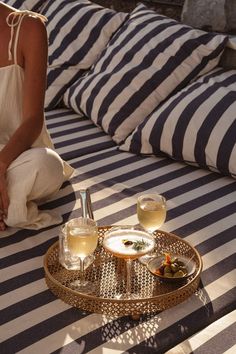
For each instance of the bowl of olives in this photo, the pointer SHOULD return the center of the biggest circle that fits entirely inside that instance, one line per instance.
(171, 268)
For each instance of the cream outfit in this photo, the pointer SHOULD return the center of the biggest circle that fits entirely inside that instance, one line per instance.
(38, 173)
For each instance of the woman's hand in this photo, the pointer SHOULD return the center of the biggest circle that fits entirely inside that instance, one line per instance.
(4, 199)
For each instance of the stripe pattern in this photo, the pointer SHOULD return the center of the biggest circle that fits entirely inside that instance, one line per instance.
(197, 125)
(145, 61)
(218, 337)
(74, 135)
(32, 5)
(201, 209)
(78, 31)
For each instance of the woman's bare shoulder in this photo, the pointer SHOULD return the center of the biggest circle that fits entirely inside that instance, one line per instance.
(33, 31)
(33, 23)
(33, 42)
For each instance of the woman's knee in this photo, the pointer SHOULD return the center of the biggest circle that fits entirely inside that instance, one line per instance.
(49, 172)
(36, 175)
(47, 160)
(38, 159)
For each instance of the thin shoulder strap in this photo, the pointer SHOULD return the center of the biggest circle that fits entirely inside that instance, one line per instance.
(14, 19)
(16, 39)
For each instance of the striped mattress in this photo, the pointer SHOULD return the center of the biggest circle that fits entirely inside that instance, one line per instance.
(201, 209)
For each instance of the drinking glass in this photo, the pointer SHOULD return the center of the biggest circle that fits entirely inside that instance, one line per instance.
(129, 243)
(78, 241)
(151, 211)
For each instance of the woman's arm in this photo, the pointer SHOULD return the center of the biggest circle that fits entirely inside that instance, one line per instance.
(33, 54)
(33, 44)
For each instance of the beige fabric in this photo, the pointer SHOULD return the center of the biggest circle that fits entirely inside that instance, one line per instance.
(34, 177)
(39, 172)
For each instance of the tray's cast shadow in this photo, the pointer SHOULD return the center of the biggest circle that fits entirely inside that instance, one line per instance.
(151, 333)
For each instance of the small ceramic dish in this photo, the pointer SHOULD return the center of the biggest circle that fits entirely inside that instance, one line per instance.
(155, 263)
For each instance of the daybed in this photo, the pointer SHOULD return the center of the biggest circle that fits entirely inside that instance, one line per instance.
(193, 166)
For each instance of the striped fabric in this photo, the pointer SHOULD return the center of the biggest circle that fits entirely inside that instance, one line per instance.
(201, 209)
(74, 135)
(78, 31)
(211, 339)
(228, 58)
(33, 5)
(197, 125)
(149, 57)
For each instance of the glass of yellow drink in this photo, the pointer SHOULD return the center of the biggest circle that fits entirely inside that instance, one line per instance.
(151, 212)
(78, 241)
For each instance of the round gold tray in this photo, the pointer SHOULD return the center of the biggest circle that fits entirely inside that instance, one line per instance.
(108, 276)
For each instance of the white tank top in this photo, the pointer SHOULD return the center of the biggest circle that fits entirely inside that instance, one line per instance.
(11, 91)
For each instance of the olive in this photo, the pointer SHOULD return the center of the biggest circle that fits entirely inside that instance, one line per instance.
(181, 263)
(179, 274)
(174, 267)
(168, 275)
(161, 269)
(167, 269)
(184, 269)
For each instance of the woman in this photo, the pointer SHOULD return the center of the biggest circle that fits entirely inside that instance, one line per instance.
(30, 170)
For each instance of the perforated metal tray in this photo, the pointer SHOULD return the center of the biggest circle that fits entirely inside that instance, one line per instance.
(108, 276)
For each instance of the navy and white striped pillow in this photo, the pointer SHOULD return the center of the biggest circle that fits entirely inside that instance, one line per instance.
(78, 31)
(197, 125)
(32, 5)
(149, 57)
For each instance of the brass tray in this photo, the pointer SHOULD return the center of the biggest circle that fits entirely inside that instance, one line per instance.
(108, 275)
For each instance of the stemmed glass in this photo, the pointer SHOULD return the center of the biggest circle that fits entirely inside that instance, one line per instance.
(79, 240)
(151, 212)
(129, 243)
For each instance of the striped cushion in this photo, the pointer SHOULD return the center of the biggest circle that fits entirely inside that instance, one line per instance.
(78, 31)
(149, 57)
(75, 135)
(201, 209)
(197, 125)
(228, 58)
(33, 5)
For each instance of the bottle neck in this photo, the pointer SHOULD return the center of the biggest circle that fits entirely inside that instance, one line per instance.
(86, 206)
